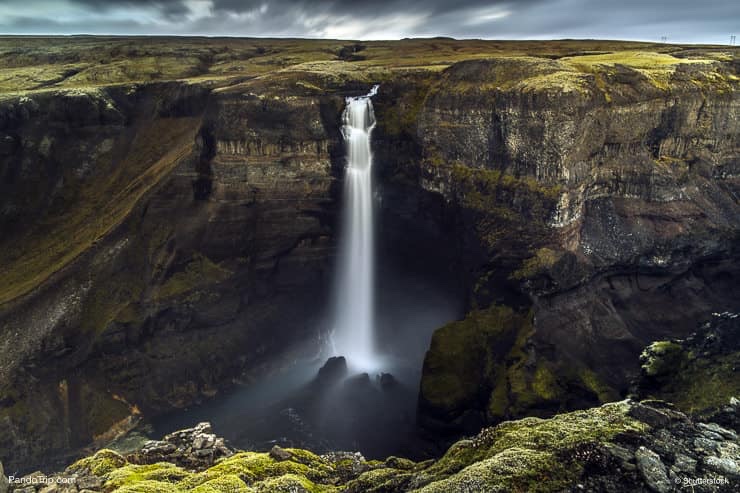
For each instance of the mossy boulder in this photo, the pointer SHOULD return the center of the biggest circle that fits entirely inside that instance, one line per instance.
(103, 462)
(486, 368)
(698, 374)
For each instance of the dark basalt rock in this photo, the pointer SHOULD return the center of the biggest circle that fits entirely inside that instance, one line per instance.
(192, 448)
(334, 370)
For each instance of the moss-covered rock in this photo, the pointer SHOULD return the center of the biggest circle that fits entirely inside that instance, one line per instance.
(489, 364)
(229, 483)
(599, 448)
(698, 374)
(100, 464)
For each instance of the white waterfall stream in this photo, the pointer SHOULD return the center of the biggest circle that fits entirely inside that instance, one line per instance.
(353, 329)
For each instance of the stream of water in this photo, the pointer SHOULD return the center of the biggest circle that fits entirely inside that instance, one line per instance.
(354, 318)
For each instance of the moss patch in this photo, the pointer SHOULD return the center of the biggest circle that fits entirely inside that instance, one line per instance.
(528, 455)
(464, 356)
(694, 383)
(100, 464)
(199, 271)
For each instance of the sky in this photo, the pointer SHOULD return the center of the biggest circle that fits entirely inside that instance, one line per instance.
(681, 21)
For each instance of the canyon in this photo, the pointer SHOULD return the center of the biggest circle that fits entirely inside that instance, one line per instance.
(170, 219)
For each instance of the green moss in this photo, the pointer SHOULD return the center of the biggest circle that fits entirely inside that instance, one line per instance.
(513, 470)
(379, 480)
(694, 385)
(258, 466)
(545, 384)
(527, 455)
(400, 117)
(662, 357)
(149, 486)
(490, 194)
(543, 259)
(292, 483)
(463, 355)
(307, 458)
(400, 463)
(499, 403)
(592, 382)
(701, 386)
(132, 474)
(88, 210)
(103, 462)
(228, 483)
(199, 271)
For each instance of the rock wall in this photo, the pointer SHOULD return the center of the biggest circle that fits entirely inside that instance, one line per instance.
(607, 199)
(166, 240)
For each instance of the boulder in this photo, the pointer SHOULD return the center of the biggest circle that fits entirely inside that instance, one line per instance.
(653, 470)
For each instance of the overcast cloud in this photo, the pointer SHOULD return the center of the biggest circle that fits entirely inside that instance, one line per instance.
(708, 21)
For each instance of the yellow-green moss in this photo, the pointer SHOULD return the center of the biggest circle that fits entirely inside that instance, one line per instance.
(259, 465)
(378, 480)
(133, 474)
(592, 382)
(88, 211)
(228, 483)
(529, 454)
(543, 259)
(693, 384)
(149, 486)
(460, 359)
(661, 357)
(100, 464)
(292, 483)
(200, 271)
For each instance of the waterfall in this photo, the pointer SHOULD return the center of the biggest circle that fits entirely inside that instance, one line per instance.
(353, 329)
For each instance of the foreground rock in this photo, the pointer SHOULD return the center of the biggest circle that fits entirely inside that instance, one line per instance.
(622, 446)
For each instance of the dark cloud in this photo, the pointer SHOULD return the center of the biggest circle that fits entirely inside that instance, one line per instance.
(680, 20)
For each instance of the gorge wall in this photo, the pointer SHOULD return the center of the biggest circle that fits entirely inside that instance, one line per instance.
(165, 239)
(202, 222)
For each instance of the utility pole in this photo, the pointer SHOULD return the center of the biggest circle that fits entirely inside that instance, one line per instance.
(732, 40)
(664, 39)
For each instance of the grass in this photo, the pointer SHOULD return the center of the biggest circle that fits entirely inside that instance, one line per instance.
(41, 63)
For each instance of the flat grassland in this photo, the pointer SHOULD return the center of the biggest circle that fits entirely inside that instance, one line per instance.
(43, 63)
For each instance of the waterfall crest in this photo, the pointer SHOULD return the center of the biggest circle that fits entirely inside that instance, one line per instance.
(353, 328)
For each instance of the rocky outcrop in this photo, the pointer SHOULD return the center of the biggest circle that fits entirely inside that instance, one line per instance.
(624, 446)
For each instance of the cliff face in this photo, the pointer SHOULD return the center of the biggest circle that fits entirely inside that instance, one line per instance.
(608, 196)
(164, 238)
